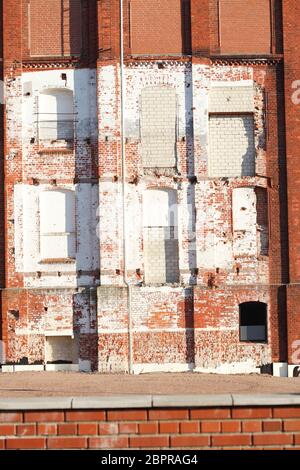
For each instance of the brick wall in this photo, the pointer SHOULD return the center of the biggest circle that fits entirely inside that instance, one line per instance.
(54, 28)
(219, 428)
(252, 26)
(156, 27)
(210, 258)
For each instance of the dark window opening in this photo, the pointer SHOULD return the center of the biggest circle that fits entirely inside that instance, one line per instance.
(253, 322)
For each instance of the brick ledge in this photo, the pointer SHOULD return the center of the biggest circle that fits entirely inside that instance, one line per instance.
(148, 401)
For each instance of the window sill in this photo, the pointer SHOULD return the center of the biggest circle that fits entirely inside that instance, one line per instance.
(52, 151)
(58, 261)
(254, 342)
(161, 171)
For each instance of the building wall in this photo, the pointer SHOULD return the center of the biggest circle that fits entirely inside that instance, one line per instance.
(202, 120)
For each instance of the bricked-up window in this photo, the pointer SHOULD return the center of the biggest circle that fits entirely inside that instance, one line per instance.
(57, 225)
(158, 127)
(231, 145)
(56, 115)
(253, 322)
(245, 26)
(161, 261)
(160, 27)
(55, 28)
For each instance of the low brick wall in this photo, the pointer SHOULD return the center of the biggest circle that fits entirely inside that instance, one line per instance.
(147, 422)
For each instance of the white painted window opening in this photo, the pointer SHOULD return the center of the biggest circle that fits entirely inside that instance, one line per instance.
(253, 322)
(56, 115)
(57, 225)
(160, 233)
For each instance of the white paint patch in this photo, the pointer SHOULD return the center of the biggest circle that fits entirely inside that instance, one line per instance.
(148, 368)
(243, 367)
(62, 367)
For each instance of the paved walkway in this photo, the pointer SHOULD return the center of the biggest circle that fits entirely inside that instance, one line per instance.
(65, 384)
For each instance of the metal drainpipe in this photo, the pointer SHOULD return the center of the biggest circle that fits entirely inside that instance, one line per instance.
(122, 97)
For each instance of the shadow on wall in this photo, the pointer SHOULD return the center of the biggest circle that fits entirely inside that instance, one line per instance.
(75, 26)
(186, 26)
(191, 202)
(2, 234)
(86, 171)
(248, 159)
(283, 217)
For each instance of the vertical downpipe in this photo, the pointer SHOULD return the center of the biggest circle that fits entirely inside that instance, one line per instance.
(123, 155)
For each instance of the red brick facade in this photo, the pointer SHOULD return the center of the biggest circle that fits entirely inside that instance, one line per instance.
(96, 149)
(223, 428)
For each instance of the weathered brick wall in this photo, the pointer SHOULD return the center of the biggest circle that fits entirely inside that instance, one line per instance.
(219, 428)
(30, 316)
(212, 255)
(180, 329)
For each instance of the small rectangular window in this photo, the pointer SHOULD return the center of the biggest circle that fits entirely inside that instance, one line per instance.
(253, 322)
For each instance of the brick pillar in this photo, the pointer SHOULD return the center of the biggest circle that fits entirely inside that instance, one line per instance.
(276, 173)
(2, 249)
(291, 36)
(200, 26)
(109, 28)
